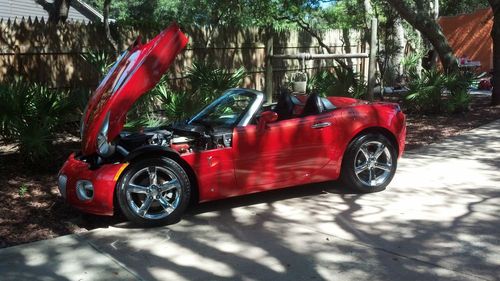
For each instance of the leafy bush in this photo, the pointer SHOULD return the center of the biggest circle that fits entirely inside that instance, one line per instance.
(458, 87)
(29, 117)
(411, 63)
(436, 92)
(206, 81)
(340, 82)
(102, 61)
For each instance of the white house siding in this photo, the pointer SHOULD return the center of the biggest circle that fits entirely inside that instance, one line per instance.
(12, 9)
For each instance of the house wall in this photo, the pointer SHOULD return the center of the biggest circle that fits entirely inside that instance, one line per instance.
(12, 9)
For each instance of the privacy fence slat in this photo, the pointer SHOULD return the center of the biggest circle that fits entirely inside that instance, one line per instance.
(51, 54)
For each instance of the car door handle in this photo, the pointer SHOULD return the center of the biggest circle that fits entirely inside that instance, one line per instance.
(321, 125)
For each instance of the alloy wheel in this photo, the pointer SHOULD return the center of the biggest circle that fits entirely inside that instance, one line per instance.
(153, 192)
(373, 163)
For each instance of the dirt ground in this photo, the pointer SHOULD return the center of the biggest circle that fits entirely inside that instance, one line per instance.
(32, 209)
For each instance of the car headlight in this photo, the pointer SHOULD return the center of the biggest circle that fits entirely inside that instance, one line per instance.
(104, 149)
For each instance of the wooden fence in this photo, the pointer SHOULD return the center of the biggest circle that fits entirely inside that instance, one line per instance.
(51, 54)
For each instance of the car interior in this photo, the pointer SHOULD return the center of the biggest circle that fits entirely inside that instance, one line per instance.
(291, 106)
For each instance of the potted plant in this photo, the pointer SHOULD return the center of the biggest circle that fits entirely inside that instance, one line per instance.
(299, 82)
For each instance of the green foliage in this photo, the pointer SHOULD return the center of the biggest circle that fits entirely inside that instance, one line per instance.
(242, 13)
(453, 7)
(206, 81)
(148, 120)
(339, 82)
(411, 63)
(181, 105)
(23, 189)
(345, 14)
(459, 97)
(29, 117)
(101, 60)
(436, 92)
(425, 93)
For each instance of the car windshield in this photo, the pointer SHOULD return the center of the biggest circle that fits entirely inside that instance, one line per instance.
(225, 111)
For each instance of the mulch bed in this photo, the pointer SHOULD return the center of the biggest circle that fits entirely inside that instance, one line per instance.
(32, 209)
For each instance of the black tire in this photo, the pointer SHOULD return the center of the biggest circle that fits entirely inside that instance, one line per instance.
(173, 176)
(366, 180)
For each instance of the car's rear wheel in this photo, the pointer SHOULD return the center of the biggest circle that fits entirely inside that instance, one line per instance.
(154, 192)
(369, 163)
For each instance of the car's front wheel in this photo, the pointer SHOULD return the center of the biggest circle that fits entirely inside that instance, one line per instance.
(369, 163)
(154, 192)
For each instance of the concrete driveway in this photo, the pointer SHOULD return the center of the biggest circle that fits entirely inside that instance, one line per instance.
(438, 220)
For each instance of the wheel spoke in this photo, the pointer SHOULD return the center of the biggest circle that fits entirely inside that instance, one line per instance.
(153, 178)
(381, 166)
(134, 188)
(370, 175)
(365, 152)
(165, 204)
(380, 150)
(170, 185)
(361, 168)
(145, 206)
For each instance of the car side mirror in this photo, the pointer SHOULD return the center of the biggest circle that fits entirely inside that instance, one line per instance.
(267, 117)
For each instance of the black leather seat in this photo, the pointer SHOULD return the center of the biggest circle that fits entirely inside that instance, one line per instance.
(313, 105)
(285, 105)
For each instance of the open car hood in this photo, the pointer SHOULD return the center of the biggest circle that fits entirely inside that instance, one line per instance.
(135, 72)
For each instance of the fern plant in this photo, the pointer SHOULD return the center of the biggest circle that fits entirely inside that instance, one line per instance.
(339, 82)
(208, 81)
(30, 115)
(102, 61)
(436, 92)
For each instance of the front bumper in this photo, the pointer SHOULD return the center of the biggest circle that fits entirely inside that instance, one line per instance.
(103, 180)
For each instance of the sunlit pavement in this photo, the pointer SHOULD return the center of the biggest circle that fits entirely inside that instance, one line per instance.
(438, 220)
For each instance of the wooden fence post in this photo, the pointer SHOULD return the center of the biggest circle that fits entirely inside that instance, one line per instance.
(372, 63)
(269, 66)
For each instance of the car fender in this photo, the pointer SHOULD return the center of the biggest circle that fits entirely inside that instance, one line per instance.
(359, 120)
(152, 151)
(157, 151)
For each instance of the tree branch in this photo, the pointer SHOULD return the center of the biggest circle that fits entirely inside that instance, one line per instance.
(105, 14)
(307, 28)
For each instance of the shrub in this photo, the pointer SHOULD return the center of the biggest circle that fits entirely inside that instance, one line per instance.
(436, 92)
(459, 97)
(341, 82)
(206, 81)
(425, 94)
(29, 117)
(101, 61)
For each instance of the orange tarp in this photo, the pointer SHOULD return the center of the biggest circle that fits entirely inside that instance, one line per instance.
(469, 35)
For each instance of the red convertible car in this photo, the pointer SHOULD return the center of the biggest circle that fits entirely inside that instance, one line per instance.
(236, 145)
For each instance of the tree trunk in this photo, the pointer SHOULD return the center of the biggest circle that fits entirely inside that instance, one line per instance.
(495, 35)
(107, 31)
(347, 45)
(58, 10)
(61, 8)
(399, 49)
(434, 11)
(430, 29)
(369, 14)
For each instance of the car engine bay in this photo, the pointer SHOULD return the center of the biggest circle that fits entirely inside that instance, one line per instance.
(183, 138)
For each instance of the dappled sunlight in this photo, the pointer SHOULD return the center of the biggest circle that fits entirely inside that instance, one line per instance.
(69, 258)
(437, 220)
